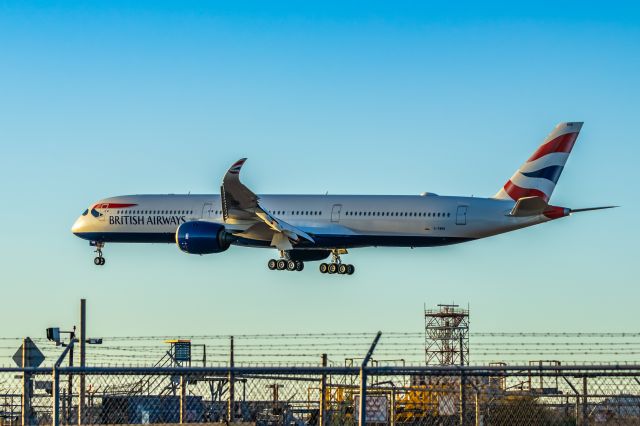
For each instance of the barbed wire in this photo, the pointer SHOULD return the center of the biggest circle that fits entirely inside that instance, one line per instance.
(297, 347)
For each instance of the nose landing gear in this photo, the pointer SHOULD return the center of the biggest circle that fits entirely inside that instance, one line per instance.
(99, 260)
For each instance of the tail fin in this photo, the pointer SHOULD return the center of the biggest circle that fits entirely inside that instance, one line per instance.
(538, 176)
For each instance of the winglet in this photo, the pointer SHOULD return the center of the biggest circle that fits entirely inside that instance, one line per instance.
(234, 193)
(235, 169)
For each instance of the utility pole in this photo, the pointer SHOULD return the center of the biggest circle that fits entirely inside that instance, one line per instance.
(83, 358)
(53, 334)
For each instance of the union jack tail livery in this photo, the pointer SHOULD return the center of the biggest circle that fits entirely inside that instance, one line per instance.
(538, 176)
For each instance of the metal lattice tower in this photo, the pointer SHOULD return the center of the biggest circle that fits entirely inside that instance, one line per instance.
(446, 335)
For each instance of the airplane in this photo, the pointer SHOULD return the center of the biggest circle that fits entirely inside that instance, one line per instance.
(305, 228)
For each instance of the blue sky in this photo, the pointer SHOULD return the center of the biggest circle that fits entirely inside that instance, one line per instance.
(110, 98)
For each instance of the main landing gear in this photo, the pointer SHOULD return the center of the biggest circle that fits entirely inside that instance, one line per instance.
(99, 259)
(283, 264)
(336, 266)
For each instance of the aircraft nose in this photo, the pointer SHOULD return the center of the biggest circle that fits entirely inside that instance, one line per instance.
(78, 225)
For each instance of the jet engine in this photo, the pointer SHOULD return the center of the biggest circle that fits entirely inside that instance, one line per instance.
(198, 237)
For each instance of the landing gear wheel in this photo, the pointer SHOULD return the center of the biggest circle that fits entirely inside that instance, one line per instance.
(299, 265)
(99, 245)
(342, 268)
(291, 265)
(324, 268)
(333, 268)
(272, 264)
(350, 269)
(282, 265)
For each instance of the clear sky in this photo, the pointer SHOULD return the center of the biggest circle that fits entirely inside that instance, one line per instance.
(110, 98)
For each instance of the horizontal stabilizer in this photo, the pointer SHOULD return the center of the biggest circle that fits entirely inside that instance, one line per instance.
(529, 206)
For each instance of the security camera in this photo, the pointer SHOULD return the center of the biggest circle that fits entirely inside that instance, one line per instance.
(53, 334)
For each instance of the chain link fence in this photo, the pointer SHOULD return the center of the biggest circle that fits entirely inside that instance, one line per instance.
(493, 395)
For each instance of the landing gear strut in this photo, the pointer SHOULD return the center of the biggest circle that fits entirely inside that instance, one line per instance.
(336, 266)
(99, 259)
(285, 264)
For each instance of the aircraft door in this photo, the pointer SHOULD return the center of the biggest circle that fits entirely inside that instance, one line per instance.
(461, 215)
(335, 212)
(207, 210)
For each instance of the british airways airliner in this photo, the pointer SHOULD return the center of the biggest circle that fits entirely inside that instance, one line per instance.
(307, 228)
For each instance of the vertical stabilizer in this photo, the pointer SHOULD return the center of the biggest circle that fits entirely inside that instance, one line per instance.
(538, 176)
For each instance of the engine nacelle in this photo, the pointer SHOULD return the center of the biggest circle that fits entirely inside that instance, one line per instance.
(198, 237)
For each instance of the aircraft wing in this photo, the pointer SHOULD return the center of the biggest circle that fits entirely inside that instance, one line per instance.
(239, 203)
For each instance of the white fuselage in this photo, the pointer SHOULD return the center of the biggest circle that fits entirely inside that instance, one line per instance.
(334, 221)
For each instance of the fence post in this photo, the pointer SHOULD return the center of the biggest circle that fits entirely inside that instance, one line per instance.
(323, 394)
(26, 386)
(463, 394)
(585, 409)
(232, 396)
(463, 398)
(362, 415)
(55, 396)
(477, 407)
(392, 421)
(183, 399)
(83, 357)
(362, 418)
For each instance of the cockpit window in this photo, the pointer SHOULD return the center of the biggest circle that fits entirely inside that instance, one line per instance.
(86, 212)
